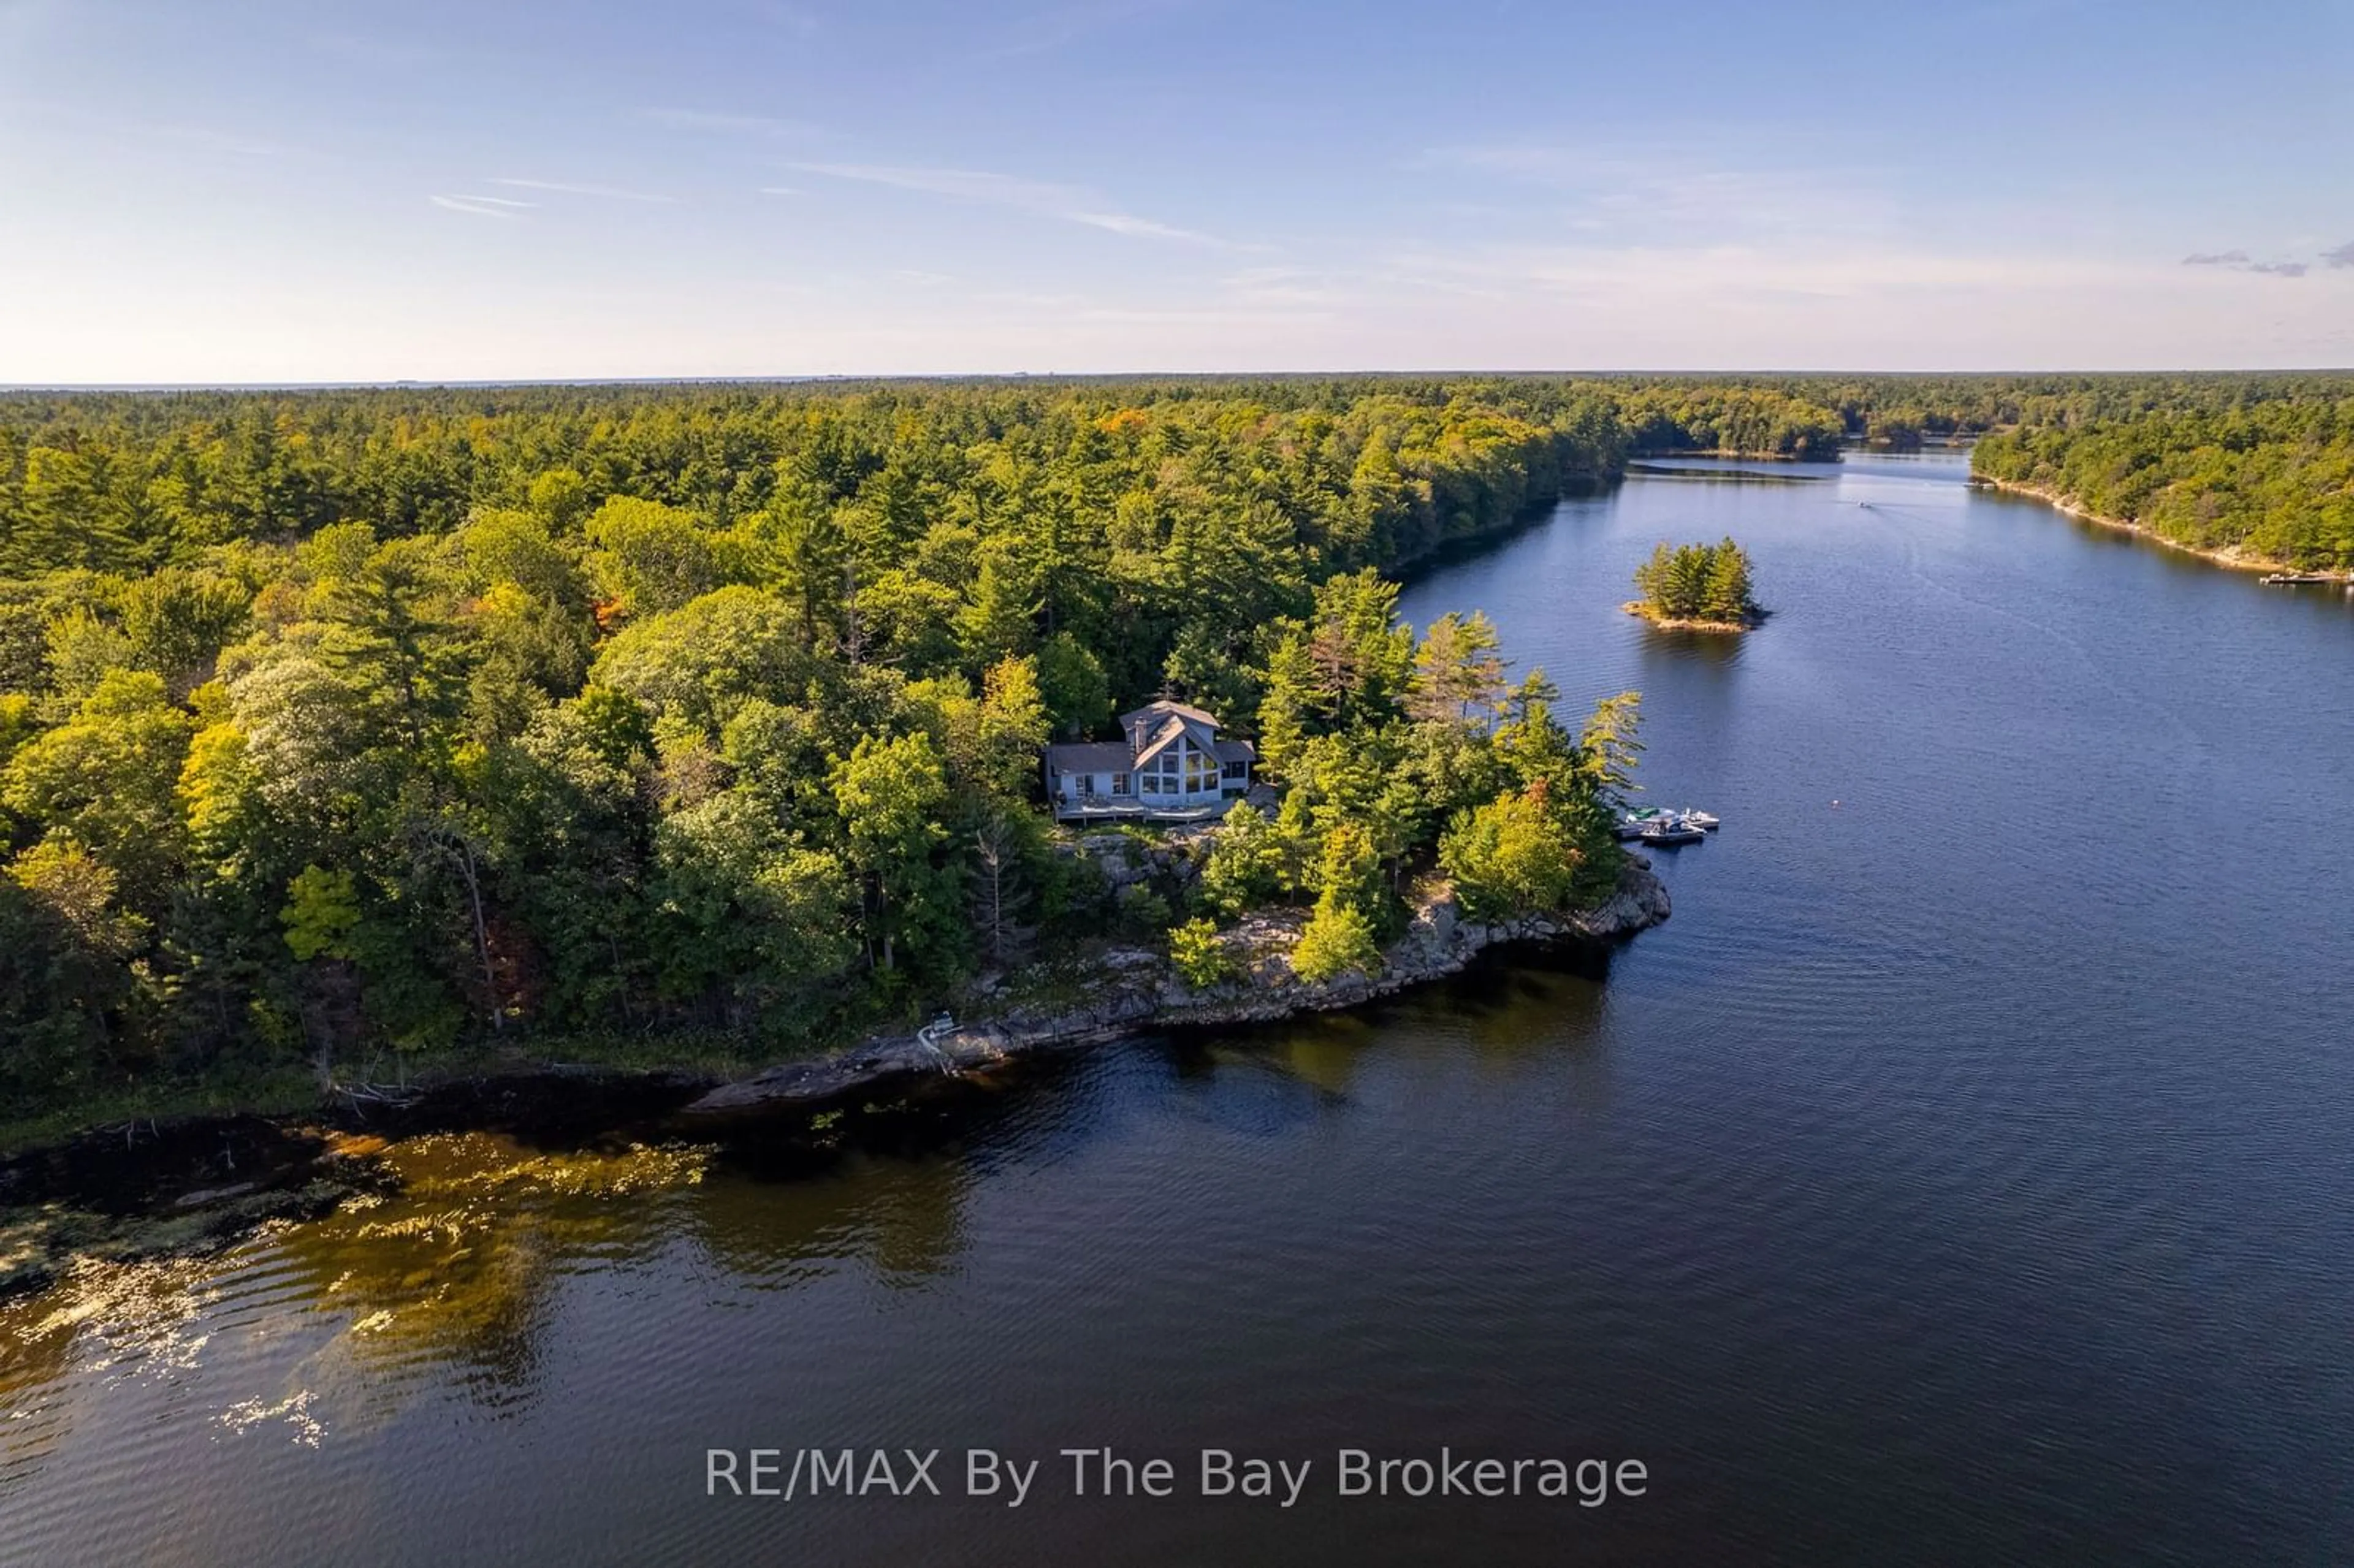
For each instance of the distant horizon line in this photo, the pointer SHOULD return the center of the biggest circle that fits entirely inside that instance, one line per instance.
(12, 388)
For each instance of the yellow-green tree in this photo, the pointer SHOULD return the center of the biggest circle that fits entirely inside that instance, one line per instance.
(1510, 856)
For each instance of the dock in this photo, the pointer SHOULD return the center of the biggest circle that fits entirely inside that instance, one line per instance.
(2293, 580)
(1655, 825)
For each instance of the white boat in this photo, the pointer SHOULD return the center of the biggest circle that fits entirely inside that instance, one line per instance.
(1638, 822)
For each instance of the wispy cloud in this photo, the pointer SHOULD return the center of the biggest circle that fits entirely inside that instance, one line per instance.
(795, 19)
(1206, 316)
(1658, 190)
(2241, 261)
(1070, 204)
(764, 125)
(1051, 30)
(484, 206)
(1733, 274)
(355, 49)
(1294, 287)
(612, 193)
(2341, 257)
(781, 190)
(1141, 227)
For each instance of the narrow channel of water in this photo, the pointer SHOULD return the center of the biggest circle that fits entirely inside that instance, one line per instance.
(1964, 1174)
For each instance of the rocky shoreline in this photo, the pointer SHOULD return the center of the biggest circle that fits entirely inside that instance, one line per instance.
(1641, 611)
(191, 1185)
(2232, 557)
(197, 1185)
(1138, 991)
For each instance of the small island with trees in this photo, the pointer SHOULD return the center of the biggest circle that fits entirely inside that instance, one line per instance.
(1697, 587)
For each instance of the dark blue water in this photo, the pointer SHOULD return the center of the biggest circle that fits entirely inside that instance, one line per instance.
(1962, 1175)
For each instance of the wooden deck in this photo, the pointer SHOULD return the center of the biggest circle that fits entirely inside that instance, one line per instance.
(1105, 809)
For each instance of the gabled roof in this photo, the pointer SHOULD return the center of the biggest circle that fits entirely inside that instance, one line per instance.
(1156, 739)
(1088, 756)
(1149, 730)
(1165, 705)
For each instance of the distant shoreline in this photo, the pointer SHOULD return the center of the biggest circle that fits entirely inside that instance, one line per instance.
(2230, 557)
(1721, 454)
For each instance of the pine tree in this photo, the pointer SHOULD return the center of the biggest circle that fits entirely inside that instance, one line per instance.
(1457, 672)
(1696, 582)
(1727, 595)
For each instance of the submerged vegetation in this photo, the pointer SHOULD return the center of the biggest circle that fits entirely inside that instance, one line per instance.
(1705, 586)
(344, 730)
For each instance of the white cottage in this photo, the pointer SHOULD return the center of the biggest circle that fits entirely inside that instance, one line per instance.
(1171, 767)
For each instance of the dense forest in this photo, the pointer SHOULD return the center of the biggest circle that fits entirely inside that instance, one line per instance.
(346, 722)
(337, 722)
(2270, 476)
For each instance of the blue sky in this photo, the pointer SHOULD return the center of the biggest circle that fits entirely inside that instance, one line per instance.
(242, 192)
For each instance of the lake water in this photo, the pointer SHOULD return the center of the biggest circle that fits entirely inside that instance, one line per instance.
(1964, 1174)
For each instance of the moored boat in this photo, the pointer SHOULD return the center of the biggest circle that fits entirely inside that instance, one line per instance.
(1640, 822)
